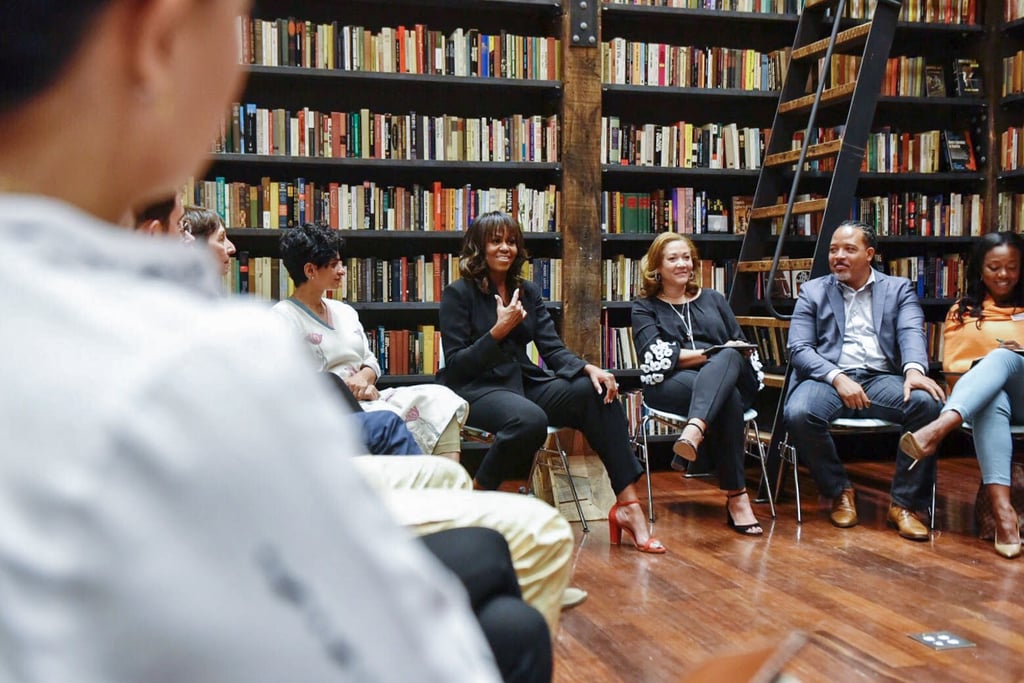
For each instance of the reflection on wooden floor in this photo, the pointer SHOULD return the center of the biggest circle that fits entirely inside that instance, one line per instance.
(858, 592)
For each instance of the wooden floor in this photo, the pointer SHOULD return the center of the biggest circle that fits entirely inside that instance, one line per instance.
(857, 592)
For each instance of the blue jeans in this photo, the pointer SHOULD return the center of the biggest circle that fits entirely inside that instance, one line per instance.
(812, 405)
(385, 433)
(991, 397)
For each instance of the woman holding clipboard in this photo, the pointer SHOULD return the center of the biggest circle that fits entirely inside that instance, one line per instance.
(695, 361)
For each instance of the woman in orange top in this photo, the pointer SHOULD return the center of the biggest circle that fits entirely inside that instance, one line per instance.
(982, 348)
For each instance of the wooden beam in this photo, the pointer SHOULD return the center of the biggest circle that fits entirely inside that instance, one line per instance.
(581, 197)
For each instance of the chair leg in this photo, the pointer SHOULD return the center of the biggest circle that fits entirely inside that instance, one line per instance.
(796, 484)
(787, 455)
(647, 465)
(935, 484)
(572, 484)
(762, 458)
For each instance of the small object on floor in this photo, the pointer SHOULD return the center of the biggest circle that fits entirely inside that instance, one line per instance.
(573, 596)
(941, 640)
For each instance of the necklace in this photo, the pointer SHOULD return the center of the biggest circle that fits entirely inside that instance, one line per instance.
(686, 320)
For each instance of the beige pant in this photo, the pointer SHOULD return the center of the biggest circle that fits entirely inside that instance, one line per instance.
(431, 494)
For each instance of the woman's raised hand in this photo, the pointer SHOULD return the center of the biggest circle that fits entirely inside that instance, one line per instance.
(508, 316)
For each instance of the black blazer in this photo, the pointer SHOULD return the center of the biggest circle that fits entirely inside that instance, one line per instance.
(476, 364)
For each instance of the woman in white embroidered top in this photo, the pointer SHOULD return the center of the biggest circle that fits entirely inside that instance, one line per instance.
(683, 336)
(335, 337)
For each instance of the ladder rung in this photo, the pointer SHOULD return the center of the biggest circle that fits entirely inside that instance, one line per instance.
(775, 382)
(844, 39)
(811, 4)
(799, 208)
(830, 96)
(765, 265)
(763, 320)
(818, 151)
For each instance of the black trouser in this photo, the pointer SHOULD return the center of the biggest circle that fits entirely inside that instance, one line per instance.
(717, 393)
(516, 632)
(519, 424)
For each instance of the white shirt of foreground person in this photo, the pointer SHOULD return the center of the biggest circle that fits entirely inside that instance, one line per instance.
(176, 500)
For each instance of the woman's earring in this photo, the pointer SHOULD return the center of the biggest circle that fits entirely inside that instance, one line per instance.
(657, 276)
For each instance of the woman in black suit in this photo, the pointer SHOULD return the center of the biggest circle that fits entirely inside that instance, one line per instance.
(487, 319)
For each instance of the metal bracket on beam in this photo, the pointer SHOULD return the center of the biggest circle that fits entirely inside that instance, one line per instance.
(583, 22)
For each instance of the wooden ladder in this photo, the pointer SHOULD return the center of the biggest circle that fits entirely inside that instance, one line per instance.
(819, 35)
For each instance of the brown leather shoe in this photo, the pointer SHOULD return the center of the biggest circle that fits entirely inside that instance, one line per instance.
(844, 510)
(909, 526)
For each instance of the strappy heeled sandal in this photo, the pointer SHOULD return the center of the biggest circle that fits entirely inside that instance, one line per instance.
(741, 529)
(684, 449)
(615, 529)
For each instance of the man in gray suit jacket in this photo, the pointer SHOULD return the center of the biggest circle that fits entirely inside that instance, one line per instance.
(858, 349)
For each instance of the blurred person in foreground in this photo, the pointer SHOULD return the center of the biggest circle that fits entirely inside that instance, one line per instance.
(167, 516)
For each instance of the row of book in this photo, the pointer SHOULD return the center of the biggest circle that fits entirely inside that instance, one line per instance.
(689, 211)
(406, 352)
(904, 76)
(404, 279)
(929, 11)
(682, 144)
(398, 49)
(625, 62)
(1011, 148)
(934, 277)
(758, 6)
(914, 213)
(423, 278)
(680, 209)
(932, 151)
(369, 206)
(1010, 211)
(1013, 74)
(622, 277)
(364, 134)
(1013, 10)
(263, 277)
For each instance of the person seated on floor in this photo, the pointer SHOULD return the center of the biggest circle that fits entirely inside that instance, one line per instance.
(857, 349)
(983, 338)
(332, 332)
(487, 319)
(163, 217)
(674, 322)
(168, 512)
(206, 227)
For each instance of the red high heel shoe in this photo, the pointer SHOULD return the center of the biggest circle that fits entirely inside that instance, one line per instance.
(615, 529)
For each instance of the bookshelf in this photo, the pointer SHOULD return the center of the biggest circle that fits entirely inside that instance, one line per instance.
(580, 99)
(1009, 119)
(397, 122)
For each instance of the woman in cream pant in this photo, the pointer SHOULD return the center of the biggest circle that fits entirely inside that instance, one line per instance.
(430, 494)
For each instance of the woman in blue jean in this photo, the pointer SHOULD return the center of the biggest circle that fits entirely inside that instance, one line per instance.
(982, 358)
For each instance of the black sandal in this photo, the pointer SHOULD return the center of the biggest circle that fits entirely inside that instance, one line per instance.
(684, 449)
(741, 529)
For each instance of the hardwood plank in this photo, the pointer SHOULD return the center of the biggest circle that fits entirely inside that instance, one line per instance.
(857, 592)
